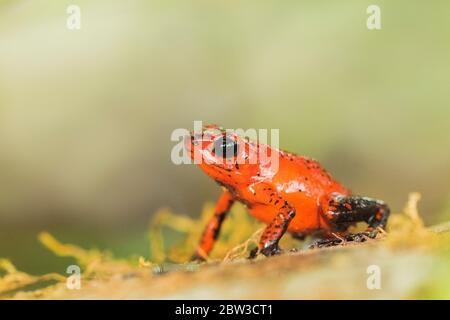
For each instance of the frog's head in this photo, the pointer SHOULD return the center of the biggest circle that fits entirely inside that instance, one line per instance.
(224, 155)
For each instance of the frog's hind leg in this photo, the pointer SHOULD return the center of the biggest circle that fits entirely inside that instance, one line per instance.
(212, 229)
(346, 210)
(342, 211)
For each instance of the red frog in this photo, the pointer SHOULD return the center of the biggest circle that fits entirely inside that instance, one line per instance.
(299, 197)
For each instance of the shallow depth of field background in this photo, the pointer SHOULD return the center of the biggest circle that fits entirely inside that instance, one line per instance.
(86, 116)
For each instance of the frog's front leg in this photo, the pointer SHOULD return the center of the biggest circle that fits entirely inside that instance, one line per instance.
(268, 244)
(212, 229)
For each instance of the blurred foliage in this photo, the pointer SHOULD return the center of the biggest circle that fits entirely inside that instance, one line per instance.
(12, 280)
(94, 263)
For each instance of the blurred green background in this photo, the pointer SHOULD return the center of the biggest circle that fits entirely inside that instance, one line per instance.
(86, 115)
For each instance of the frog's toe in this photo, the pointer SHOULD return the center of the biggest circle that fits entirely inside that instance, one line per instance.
(323, 243)
(271, 250)
(351, 237)
(253, 253)
(197, 258)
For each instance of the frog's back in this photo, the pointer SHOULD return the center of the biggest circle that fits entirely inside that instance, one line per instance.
(305, 175)
(303, 182)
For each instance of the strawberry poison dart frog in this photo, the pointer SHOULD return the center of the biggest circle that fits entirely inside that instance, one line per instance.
(300, 197)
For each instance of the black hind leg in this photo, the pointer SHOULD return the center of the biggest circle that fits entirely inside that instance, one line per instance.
(343, 211)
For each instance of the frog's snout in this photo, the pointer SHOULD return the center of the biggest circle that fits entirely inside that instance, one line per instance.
(189, 142)
(193, 141)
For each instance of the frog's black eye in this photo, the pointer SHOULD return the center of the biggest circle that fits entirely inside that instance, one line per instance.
(226, 147)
